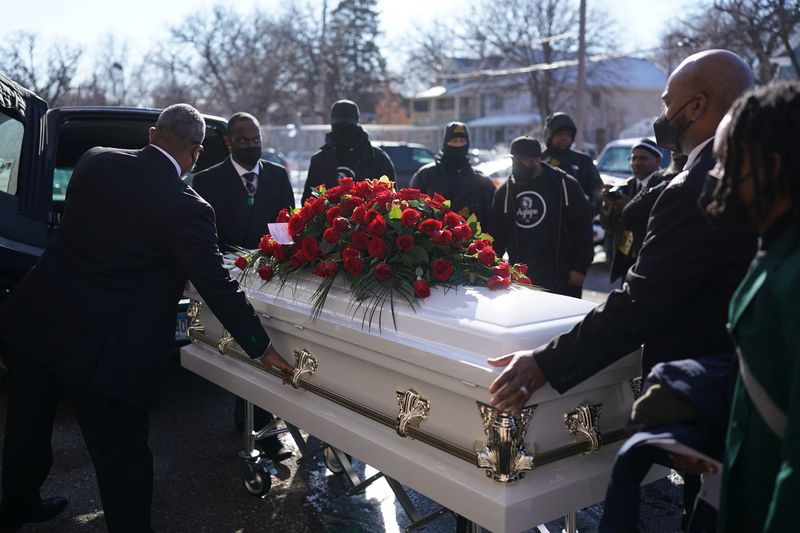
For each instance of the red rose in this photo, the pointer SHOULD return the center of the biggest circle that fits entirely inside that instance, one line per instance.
(382, 271)
(354, 266)
(360, 214)
(331, 235)
(501, 270)
(421, 288)
(241, 263)
(350, 253)
(318, 206)
(405, 242)
(443, 237)
(442, 269)
(332, 213)
(341, 223)
(305, 213)
(280, 252)
(296, 225)
(409, 194)
(334, 194)
(350, 204)
(378, 227)
(310, 248)
(346, 183)
(452, 219)
(283, 216)
(496, 283)
(372, 215)
(487, 257)
(363, 189)
(377, 248)
(521, 268)
(525, 280)
(297, 259)
(475, 247)
(265, 272)
(360, 240)
(430, 226)
(409, 217)
(462, 232)
(325, 269)
(439, 198)
(383, 198)
(265, 246)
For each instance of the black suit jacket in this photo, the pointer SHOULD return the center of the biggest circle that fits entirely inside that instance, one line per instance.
(239, 224)
(99, 306)
(675, 298)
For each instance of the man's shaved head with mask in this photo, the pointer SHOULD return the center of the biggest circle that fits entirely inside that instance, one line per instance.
(698, 94)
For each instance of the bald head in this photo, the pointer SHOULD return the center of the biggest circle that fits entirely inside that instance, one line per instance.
(707, 84)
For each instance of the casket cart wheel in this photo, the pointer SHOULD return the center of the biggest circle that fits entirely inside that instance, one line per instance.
(332, 462)
(258, 481)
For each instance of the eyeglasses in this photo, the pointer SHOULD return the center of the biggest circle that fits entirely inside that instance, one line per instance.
(246, 141)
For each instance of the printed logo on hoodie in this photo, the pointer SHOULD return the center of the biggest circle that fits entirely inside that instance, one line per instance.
(531, 209)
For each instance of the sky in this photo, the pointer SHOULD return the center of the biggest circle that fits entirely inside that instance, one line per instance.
(86, 22)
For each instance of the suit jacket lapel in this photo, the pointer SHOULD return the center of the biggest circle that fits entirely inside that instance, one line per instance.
(256, 219)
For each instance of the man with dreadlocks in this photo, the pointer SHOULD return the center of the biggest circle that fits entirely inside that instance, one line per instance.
(674, 300)
(759, 173)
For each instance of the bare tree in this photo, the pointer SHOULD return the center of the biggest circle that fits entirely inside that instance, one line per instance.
(50, 73)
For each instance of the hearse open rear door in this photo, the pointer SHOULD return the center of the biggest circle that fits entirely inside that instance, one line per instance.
(25, 194)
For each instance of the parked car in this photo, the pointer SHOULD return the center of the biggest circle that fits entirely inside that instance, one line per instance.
(274, 156)
(407, 158)
(38, 151)
(614, 161)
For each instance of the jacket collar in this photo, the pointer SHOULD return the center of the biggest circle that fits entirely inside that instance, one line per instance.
(767, 261)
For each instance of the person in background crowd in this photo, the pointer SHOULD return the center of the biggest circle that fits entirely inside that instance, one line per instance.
(560, 133)
(645, 163)
(132, 233)
(759, 184)
(674, 299)
(246, 193)
(637, 212)
(541, 217)
(347, 145)
(452, 176)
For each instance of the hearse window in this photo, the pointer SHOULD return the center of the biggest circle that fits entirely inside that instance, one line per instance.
(11, 133)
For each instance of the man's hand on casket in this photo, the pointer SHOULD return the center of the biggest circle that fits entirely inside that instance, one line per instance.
(271, 357)
(518, 381)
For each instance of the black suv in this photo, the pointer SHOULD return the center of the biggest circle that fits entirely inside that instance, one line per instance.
(38, 150)
(407, 158)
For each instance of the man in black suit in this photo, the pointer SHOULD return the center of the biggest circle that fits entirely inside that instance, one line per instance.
(675, 298)
(246, 193)
(645, 162)
(94, 320)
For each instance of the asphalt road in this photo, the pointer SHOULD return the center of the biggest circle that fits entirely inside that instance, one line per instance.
(198, 487)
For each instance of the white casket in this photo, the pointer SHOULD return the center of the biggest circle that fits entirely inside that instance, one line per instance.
(411, 401)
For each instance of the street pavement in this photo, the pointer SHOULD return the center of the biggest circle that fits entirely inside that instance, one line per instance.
(198, 487)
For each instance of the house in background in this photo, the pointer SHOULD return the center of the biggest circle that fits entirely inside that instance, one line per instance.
(620, 91)
(785, 70)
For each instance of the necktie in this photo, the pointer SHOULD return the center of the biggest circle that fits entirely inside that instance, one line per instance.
(248, 182)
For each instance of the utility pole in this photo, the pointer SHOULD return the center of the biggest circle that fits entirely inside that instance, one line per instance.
(323, 67)
(581, 89)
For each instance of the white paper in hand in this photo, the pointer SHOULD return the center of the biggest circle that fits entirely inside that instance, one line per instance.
(280, 232)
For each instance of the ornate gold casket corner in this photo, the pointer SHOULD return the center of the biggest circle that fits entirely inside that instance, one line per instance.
(413, 410)
(581, 423)
(195, 326)
(504, 455)
(305, 365)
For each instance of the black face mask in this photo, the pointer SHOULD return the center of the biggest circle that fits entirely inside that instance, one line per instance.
(455, 152)
(345, 133)
(247, 157)
(668, 137)
(522, 172)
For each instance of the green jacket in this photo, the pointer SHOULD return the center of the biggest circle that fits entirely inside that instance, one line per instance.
(761, 482)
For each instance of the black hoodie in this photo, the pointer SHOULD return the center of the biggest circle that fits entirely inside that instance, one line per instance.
(546, 224)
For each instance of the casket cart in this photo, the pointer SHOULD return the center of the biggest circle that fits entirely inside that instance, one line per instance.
(407, 393)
